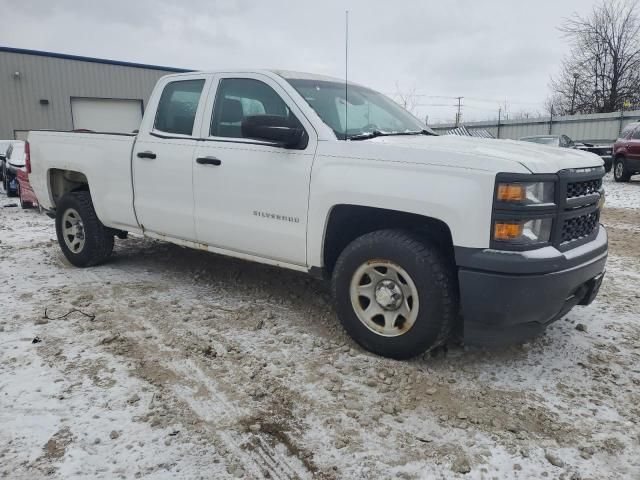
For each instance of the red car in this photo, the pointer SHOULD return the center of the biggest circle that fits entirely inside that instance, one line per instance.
(25, 192)
(626, 153)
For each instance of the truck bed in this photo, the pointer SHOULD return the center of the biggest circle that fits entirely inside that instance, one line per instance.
(104, 158)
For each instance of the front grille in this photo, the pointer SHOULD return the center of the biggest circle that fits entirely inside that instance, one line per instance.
(580, 189)
(579, 227)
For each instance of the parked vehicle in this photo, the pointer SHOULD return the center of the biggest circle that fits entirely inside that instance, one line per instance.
(605, 152)
(25, 192)
(15, 160)
(551, 140)
(563, 141)
(626, 152)
(283, 168)
(4, 146)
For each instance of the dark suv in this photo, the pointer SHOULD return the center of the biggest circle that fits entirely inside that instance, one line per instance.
(626, 153)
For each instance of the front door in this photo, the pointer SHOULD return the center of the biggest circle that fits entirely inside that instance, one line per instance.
(162, 167)
(251, 196)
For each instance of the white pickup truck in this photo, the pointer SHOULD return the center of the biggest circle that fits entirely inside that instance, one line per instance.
(422, 236)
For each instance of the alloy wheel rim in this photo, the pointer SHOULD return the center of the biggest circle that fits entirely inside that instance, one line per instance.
(619, 168)
(73, 230)
(384, 298)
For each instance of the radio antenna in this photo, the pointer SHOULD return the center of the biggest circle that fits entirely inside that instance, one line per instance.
(346, 74)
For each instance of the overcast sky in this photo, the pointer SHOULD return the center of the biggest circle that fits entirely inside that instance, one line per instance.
(487, 51)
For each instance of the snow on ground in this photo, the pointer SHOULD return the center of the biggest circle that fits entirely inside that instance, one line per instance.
(622, 195)
(192, 365)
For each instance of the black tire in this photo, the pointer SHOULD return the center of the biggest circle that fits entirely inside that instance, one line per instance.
(98, 239)
(620, 172)
(434, 278)
(24, 205)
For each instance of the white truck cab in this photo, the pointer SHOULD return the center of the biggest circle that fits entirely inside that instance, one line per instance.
(421, 235)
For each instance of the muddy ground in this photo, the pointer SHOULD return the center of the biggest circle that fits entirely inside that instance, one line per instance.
(173, 363)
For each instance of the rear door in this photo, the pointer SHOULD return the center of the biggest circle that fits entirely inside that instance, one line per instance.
(251, 196)
(162, 157)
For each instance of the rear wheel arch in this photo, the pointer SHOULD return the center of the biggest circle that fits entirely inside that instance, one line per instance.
(62, 182)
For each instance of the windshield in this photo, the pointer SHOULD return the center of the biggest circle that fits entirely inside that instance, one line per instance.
(366, 112)
(543, 140)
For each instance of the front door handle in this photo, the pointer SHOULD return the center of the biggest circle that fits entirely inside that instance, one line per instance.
(147, 154)
(209, 161)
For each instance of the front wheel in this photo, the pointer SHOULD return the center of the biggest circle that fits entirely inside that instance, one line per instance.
(84, 240)
(620, 173)
(395, 294)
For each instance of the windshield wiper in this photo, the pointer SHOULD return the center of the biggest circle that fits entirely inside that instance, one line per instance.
(378, 133)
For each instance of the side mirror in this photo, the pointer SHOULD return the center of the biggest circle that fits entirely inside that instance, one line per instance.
(275, 129)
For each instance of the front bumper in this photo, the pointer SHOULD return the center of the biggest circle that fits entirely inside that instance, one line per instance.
(510, 297)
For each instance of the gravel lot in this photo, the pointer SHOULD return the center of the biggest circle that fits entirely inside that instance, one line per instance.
(174, 363)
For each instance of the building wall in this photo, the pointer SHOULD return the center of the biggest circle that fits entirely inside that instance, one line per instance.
(57, 80)
(599, 127)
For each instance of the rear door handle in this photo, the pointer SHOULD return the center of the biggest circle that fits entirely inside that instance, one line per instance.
(209, 161)
(147, 154)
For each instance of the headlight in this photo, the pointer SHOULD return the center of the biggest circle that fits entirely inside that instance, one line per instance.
(525, 193)
(523, 232)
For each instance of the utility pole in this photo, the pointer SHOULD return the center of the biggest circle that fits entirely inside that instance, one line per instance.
(499, 115)
(573, 97)
(459, 114)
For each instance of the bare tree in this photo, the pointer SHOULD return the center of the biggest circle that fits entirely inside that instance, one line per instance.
(408, 100)
(602, 72)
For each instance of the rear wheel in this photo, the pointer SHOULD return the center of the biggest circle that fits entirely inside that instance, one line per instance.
(84, 240)
(395, 294)
(620, 172)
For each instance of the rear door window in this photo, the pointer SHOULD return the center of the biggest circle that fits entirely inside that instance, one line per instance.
(636, 134)
(177, 107)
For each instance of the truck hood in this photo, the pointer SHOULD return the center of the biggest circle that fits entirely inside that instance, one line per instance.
(534, 157)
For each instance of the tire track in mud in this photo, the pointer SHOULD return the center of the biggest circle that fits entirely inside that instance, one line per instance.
(167, 369)
(201, 365)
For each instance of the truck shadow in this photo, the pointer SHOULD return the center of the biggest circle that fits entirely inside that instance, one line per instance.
(307, 300)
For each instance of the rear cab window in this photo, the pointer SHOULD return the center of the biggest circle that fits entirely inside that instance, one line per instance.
(177, 107)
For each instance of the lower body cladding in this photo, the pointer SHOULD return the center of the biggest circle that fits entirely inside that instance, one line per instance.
(510, 297)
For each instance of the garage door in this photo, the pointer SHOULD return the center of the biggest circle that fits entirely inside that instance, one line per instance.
(106, 115)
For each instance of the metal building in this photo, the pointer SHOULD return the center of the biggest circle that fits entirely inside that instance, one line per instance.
(44, 90)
